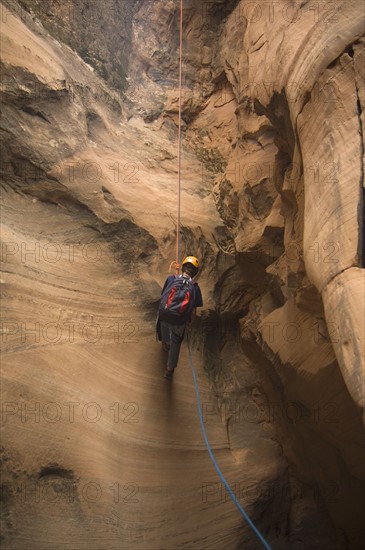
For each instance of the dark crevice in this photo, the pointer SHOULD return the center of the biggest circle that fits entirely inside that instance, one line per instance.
(306, 98)
(337, 274)
(361, 214)
(33, 112)
(347, 50)
(55, 470)
(361, 206)
(308, 94)
(278, 113)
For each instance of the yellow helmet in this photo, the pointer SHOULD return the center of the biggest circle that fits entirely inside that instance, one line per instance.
(191, 260)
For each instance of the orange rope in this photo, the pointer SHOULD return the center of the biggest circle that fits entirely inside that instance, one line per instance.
(177, 262)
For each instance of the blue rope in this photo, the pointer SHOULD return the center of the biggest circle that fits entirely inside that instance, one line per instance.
(232, 495)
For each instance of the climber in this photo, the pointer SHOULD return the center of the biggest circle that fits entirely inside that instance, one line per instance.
(180, 297)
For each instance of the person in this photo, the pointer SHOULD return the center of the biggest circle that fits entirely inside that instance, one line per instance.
(170, 334)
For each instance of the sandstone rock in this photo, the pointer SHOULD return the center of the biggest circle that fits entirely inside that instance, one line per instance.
(98, 452)
(332, 184)
(343, 301)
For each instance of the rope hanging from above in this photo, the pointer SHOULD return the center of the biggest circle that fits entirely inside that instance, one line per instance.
(177, 260)
(177, 266)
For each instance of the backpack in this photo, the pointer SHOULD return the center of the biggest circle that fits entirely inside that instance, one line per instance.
(177, 301)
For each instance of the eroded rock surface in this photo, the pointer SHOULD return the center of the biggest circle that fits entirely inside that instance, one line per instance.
(98, 452)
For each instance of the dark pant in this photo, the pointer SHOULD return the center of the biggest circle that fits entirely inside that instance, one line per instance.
(174, 335)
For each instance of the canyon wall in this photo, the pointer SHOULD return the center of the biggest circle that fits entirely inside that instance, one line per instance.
(98, 451)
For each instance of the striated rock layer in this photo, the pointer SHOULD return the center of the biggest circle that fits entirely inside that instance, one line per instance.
(98, 451)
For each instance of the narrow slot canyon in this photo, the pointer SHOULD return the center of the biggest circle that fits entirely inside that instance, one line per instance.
(98, 450)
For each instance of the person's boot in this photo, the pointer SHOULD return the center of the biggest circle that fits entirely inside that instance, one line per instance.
(169, 374)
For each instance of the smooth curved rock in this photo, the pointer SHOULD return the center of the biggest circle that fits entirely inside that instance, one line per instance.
(99, 451)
